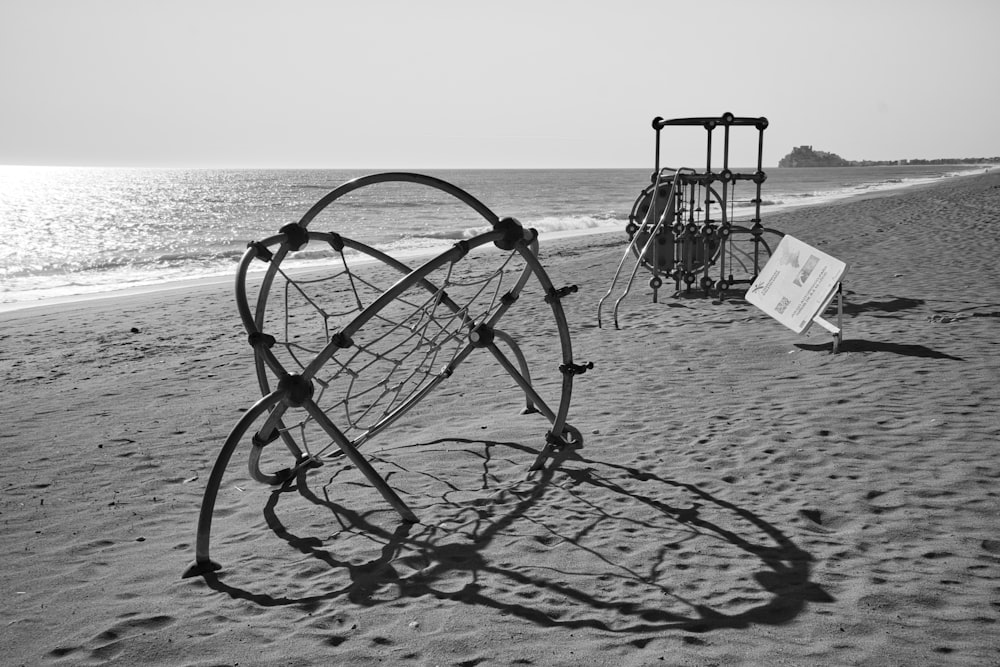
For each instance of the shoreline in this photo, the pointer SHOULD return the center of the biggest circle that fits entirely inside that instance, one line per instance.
(79, 300)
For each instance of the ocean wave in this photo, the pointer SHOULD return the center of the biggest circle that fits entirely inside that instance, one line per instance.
(888, 182)
(544, 225)
(749, 203)
(119, 264)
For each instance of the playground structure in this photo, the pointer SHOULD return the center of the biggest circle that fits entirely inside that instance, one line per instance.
(341, 356)
(683, 226)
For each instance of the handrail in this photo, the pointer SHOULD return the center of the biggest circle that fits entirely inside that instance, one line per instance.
(651, 211)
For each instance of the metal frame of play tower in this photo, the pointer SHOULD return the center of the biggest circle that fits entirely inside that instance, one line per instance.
(681, 226)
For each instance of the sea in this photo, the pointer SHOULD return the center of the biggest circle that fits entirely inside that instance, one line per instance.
(75, 233)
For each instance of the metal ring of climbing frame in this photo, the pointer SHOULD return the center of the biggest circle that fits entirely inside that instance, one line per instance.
(289, 371)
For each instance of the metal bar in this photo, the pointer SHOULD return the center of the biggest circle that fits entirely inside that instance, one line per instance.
(760, 169)
(650, 212)
(649, 241)
(701, 120)
(421, 179)
(203, 562)
(360, 462)
(522, 382)
(565, 342)
(708, 158)
(521, 361)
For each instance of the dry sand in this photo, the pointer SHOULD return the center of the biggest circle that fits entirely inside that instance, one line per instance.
(742, 496)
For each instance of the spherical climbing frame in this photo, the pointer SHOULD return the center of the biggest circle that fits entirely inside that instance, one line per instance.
(369, 354)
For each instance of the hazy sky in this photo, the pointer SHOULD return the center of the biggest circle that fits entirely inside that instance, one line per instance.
(506, 83)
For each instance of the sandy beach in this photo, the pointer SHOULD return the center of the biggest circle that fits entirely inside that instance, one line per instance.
(742, 495)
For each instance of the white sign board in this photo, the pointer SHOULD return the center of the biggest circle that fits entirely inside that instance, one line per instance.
(797, 284)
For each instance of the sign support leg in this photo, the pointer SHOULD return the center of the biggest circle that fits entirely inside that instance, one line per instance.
(838, 330)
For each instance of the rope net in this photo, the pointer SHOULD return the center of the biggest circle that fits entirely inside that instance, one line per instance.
(411, 342)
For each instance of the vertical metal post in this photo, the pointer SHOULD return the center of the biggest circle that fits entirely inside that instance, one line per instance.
(708, 157)
(656, 159)
(760, 167)
(725, 170)
(839, 336)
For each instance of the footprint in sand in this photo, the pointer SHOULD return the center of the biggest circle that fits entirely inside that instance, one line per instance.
(111, 642)
(993, 546)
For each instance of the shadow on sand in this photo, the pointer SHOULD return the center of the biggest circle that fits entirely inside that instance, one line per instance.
(890, 304)
(878, 346)
(457, 547)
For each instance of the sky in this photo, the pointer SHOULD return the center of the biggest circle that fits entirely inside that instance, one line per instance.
(502, 84)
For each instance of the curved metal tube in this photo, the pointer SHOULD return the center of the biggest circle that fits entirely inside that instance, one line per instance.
(203, 562)
(398, 176)
(650, 212)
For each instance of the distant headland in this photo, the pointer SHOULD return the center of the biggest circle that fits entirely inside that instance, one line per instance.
(805, 156)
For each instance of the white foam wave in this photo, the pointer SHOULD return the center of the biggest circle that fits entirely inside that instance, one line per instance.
(544, 225)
